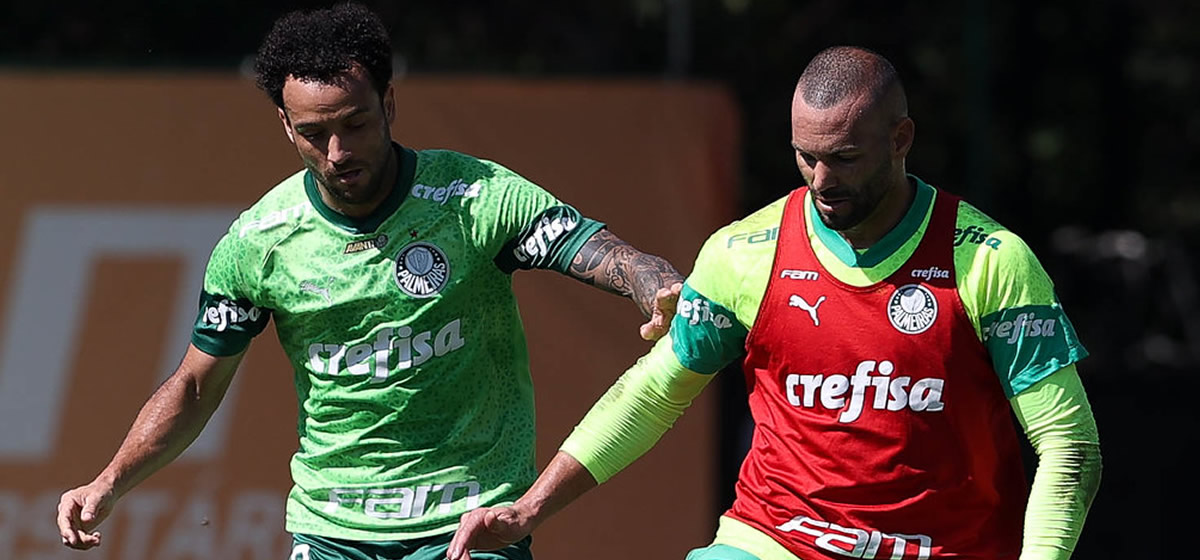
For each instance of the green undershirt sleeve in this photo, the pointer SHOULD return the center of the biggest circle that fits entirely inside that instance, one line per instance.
(1058, 421)
(634, 413)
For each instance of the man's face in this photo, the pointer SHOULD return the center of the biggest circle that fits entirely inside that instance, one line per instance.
(342, 132)
(845, 155)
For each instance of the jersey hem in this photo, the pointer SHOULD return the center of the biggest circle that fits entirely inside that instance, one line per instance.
(365, 535)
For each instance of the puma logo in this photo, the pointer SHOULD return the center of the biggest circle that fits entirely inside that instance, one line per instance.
(312, 288)
(797, 301)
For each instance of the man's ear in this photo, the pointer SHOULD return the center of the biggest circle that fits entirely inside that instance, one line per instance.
(287, 126)
(902, 138)
(389, 105)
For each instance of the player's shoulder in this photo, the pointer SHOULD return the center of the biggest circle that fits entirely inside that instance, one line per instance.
(439, 165)
(286, 204)
(445, 176)
(981, 241)
(741, 248)
(756, 232)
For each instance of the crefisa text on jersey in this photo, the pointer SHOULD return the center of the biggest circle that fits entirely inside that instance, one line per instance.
(892, 394)
(226, 313)
(376, 358)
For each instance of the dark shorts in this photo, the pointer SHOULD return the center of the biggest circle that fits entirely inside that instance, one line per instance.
(311, 547)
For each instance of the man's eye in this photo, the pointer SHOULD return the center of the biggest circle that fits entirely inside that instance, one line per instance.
(809, 159)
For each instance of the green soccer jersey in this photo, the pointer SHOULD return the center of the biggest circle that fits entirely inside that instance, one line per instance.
(410, 365)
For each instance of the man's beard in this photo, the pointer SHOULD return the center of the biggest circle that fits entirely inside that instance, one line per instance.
(361, 195)
(864, 202)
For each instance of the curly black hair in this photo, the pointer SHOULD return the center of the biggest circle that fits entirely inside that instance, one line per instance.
(322, 45)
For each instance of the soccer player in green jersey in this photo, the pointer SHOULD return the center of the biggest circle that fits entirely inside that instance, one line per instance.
(888, 332)
(388, 273)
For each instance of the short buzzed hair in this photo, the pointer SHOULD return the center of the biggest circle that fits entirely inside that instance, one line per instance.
(838, 73)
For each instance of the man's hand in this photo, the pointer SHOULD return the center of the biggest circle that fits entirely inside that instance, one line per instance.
(607, 262)
(664, 309)
(488, 529)
(80, 511)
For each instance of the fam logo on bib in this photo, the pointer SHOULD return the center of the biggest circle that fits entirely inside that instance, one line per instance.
(421, 269)
(912, 309)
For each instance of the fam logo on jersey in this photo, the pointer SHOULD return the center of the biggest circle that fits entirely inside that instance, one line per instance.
(792, 274)
(912, 309)
(275, 218)
(859, 543)
(754, 237)
(422, 269)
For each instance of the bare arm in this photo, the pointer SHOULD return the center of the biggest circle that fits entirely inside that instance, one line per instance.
(166, 425)
(651, 282)
(563, 480)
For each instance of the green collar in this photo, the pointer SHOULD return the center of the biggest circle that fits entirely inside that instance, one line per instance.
(884, 248)
(368, 224)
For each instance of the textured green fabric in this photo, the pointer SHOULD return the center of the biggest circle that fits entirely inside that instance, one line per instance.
(409, 359)
(310, 547)
(720, 552)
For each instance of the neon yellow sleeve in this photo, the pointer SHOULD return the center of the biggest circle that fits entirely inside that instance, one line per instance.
(1011, 302)
(1058, 421)
(634, 413)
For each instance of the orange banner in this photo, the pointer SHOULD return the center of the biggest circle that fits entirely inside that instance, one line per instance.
(116, 188)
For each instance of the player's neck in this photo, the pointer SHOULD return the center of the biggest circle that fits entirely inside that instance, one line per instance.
(891, 209)
(391, 168)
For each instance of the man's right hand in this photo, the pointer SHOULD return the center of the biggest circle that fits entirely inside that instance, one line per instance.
(488, 529)
(80, 511)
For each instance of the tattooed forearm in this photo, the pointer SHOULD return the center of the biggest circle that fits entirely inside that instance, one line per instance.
(614, 265)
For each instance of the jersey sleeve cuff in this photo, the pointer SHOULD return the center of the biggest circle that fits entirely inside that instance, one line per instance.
(583, 232)
(1033, 374)
(219, 347)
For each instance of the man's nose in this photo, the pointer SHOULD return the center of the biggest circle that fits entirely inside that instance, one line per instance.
(337, 152)
(823, 177)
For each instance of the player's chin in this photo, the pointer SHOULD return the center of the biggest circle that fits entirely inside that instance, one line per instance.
(837, 220)
(355, 193)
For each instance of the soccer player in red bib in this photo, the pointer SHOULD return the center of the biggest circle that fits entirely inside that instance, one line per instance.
(888, 332)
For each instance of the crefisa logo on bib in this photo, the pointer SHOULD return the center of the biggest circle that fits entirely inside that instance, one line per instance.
(421, 269)
(912, 309)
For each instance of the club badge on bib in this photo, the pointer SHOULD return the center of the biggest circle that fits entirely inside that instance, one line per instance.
(912, 309)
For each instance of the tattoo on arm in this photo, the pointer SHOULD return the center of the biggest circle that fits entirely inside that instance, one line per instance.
(614, 265)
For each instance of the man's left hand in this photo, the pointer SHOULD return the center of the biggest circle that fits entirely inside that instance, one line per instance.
(664, 310)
